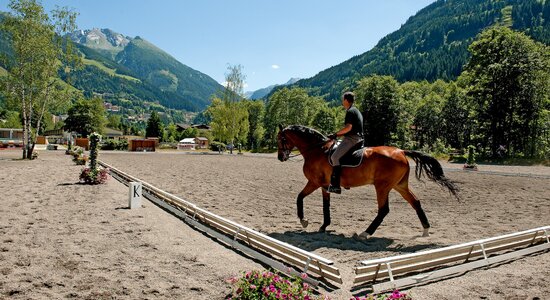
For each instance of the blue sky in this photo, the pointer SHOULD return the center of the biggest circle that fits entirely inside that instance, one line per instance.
(272, 40)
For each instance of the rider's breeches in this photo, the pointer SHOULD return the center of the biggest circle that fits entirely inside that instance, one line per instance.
(346, 144)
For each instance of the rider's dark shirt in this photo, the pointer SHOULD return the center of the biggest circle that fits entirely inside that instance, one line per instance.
(354, 117)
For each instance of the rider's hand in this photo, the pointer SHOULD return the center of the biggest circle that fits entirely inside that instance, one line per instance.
(328, 144)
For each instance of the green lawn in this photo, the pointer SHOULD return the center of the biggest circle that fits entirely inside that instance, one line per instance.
(107, 70)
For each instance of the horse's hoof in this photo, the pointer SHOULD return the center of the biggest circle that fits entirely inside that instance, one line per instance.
(304, 222)
(363, 236)
(425, 233)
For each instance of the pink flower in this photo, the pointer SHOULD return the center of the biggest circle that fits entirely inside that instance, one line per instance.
(232, 280)
(306, 286)
(303, 275)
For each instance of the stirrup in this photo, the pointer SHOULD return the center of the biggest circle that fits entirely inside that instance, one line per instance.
(334, 189)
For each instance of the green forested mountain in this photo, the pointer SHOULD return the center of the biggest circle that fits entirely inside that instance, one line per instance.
(124, 69)
(433, 43)
(159, 69)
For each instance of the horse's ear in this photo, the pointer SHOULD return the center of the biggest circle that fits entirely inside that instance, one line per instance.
(280, 127)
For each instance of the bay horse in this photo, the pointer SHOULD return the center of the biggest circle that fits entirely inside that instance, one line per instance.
(385, 167)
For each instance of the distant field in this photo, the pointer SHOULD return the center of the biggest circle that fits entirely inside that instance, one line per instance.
(3, 72)
(107, 70)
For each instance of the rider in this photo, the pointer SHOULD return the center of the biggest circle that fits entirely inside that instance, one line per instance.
(353, 134)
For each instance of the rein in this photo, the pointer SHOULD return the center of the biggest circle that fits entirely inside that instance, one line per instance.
(309, 149)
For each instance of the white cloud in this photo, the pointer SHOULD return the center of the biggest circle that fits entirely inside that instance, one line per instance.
(275, 67)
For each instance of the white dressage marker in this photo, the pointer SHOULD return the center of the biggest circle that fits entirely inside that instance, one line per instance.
(134, 200)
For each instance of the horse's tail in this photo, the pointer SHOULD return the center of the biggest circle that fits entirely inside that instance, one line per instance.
(433, 170)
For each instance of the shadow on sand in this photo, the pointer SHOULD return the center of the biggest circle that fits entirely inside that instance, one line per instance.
(311, 241)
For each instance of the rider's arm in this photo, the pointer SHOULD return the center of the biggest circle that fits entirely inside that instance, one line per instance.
(344, 130)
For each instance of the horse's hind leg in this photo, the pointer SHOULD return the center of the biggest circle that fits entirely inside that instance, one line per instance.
(383, 209)
(308, 189)
(404, 190)
(326, 211)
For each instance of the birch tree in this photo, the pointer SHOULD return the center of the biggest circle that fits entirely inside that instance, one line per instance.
(229, 113)
(39, 51)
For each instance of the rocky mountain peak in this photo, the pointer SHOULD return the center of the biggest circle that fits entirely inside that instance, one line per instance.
(104, 39)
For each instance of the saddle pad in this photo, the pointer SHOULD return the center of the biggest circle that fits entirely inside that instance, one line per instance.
(352, 158)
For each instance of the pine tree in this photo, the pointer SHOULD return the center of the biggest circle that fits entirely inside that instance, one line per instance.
(154, 126)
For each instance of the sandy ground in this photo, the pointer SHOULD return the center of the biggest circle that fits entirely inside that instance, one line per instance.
(64, 240)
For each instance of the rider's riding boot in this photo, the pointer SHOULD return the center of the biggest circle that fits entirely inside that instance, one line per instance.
(334, 186)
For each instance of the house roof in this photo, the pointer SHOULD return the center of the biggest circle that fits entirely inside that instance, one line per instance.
(188, 141)
(198, 126)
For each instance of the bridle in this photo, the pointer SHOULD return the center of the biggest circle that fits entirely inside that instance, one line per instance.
(287, 150)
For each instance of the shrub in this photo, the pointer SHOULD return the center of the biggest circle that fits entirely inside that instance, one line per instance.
(471, 159)
(115, 145)
(217, 146)
(396, 295)
(269, 285)
(168, 146)
(80, 160)
(93, 175)
(89, 176)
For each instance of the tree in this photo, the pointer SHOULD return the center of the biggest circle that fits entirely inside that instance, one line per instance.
(508, 77)
(114, 121)
(256, 113)
(290, 106)
(154, 126)
(328, 119)
(39, 51)
(11, 119)
(428, 121)
(171, 133)
(378, 99)
(86, 116)
(456, 117)
(229, 114)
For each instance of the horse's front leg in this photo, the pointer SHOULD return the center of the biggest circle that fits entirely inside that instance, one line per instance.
(326, 211)
(308, 189)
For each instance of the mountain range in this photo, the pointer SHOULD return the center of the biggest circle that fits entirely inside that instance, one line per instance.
(173, 84)
(133, 73)
(261, 93)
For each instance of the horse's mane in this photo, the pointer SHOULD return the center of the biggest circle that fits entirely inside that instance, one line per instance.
(306, 132)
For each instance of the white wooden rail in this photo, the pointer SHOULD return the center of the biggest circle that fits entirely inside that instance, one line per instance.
(245, 239)
(416, 268)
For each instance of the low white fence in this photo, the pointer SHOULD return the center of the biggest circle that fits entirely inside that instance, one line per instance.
(389, 273)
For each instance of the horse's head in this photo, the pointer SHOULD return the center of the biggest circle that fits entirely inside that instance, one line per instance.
(284, 145)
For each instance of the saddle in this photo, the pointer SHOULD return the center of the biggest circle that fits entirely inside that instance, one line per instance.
(352, 158)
